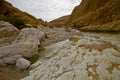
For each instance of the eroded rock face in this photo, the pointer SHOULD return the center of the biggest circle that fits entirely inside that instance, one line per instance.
(8, 33)
(22, 63)
(87, 57)
(31, 35)
(9, 54)
(6, 41)
(26, 45)
(7, 30)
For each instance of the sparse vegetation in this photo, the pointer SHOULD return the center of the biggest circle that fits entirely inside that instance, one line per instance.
(34, 58)
(16, 16)
(74, 39)
(96, 17)
(19, 23)
(41, 48)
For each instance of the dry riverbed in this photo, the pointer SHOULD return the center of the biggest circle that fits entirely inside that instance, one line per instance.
(70, 54)
(91, 56)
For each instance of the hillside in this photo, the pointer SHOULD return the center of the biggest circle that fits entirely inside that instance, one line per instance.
(59, 22)
(8, 11)
(96, 15)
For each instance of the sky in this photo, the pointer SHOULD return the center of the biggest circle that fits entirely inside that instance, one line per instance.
(46, 9)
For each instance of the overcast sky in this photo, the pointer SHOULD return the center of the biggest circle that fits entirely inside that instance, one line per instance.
(46, 9)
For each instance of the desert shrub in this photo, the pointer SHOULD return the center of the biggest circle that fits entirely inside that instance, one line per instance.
(18, 23)
(34, 58)
(41, 48)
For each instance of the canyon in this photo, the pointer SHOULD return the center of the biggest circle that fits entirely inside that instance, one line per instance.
(84, 45)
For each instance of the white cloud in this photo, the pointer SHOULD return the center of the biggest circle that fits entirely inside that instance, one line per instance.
(46, 9)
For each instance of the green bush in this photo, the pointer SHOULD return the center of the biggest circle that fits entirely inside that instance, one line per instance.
(19, 23)
(34, 58)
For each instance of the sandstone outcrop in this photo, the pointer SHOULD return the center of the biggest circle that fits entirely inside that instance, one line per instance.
(100, 14)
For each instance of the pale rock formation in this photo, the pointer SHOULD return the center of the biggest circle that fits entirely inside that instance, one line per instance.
(8, 33)
(31, 35)
(7, 30)
(88, 58)
(9, 54)
(22, 63)
(25, 45)
(6, 41)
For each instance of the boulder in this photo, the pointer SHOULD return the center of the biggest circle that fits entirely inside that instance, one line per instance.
(22, 63)
(9, 54)
(7, 30)
(10, 59)
(31, 35)
(26, 45)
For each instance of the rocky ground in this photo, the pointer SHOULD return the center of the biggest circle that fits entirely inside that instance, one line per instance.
(91, 56)
(54, 35)
(18, 45)
(69, 54)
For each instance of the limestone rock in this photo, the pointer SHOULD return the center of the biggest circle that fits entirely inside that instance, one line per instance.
(22, 63)
(31, 35)
(6, 41)
(7, 30)
(8, 33)
(9, 54)
(26, 45)
(88, 58)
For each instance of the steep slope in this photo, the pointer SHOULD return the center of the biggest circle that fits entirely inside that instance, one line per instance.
(96, 14)
(59, 22)
(8, 11)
